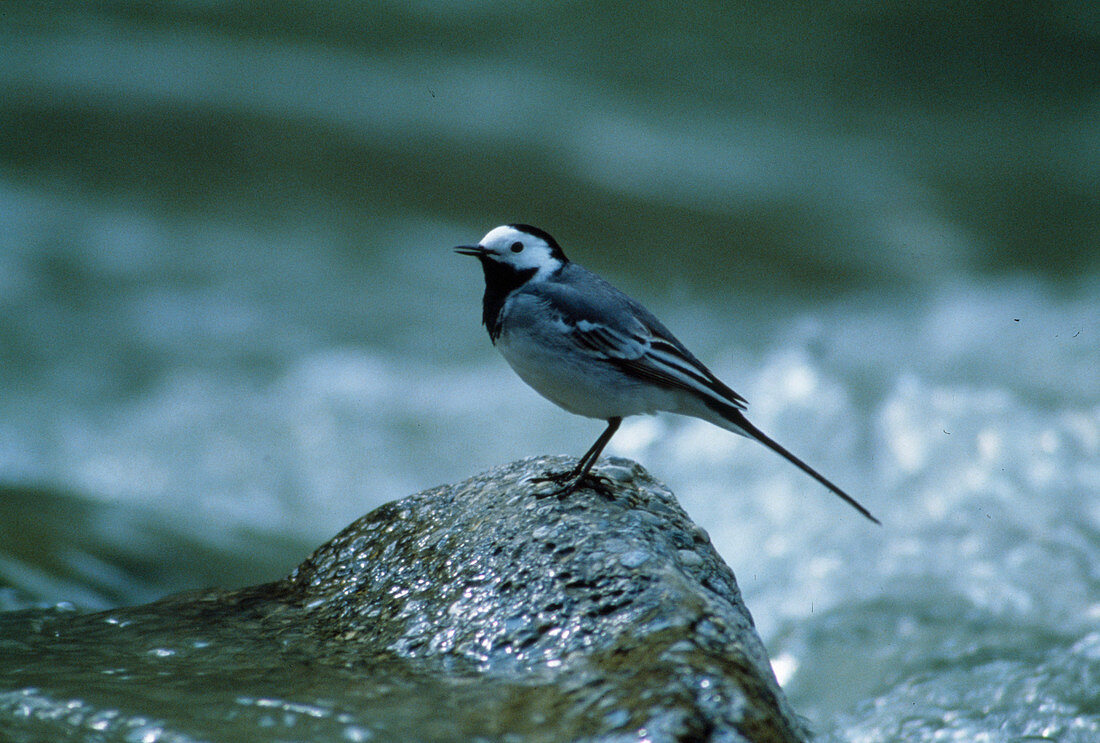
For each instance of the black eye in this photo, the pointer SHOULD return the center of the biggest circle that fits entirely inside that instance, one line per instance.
(517, 247)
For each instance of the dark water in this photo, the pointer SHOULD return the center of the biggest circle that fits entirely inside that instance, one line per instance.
(230, 321)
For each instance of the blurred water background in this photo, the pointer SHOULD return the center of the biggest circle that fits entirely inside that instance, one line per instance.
(230, 321)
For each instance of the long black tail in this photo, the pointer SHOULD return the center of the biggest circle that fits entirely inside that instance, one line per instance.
(737, 418)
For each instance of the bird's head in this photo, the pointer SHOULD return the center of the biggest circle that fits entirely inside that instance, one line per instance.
(518, 248)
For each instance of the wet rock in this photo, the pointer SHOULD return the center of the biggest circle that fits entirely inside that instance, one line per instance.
(471, 611)
(618, 598)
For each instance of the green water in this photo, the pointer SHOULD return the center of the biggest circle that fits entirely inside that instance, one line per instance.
(230, 321)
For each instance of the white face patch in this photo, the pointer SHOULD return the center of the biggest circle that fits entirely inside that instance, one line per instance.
(520, 250)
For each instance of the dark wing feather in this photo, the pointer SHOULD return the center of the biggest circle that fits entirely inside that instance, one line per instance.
(611, 325)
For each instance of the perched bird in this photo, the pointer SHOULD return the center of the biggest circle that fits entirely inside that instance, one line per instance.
(594, 351)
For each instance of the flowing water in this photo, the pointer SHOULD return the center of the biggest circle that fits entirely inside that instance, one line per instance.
(230, 321)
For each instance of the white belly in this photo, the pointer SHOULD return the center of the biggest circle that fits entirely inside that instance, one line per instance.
(576, 381)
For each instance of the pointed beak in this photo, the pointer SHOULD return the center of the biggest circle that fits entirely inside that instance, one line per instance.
(474, 250)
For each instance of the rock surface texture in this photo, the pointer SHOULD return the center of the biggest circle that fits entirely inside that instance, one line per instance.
(615, 598)
(475, 611)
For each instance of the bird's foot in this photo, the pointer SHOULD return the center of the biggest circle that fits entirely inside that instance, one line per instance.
(570, 482)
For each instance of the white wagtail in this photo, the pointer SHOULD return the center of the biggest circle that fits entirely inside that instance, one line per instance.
(592, 350)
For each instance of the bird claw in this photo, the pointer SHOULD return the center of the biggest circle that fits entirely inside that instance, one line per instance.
(598, 483)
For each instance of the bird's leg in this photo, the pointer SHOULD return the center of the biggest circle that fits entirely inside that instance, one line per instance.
(573, 478)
